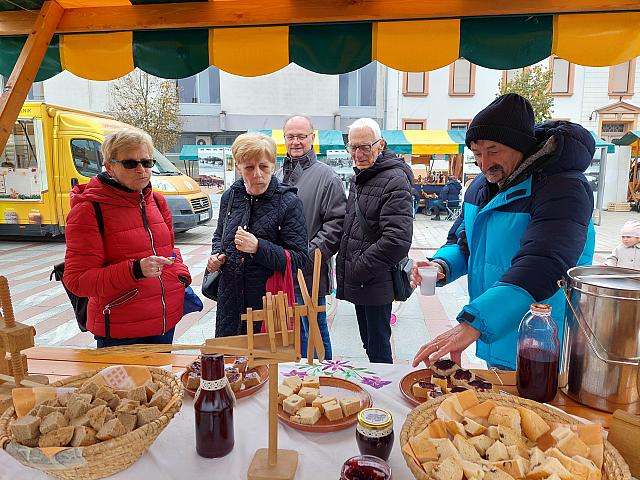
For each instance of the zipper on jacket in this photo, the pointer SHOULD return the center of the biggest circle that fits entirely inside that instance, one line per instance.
(153, 249)
(106, 311)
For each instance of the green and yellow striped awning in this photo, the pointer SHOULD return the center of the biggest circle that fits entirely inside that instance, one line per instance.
(425, 142)
(500, 42)
(324, 140)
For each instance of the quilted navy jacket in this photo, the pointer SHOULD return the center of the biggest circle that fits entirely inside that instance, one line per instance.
(277, 220)
(516, 242)
(363, 265)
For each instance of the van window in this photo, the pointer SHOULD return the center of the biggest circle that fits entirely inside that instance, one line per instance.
(163, 165)
(21, 176)
(20, 151)
(86, 156)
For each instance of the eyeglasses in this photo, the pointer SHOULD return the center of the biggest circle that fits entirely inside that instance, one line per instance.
(131, 164)
(366, 148)
(300, 138)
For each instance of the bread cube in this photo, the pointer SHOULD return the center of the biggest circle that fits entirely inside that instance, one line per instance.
(139, 394)
(292, 404)
(129, 420)
(82, 421)
(91, 388)
(77, 406)
(332, 410)
(25, 428)
(193, 381)
(57, 438)
(309, 394)
(251, 379)
(128, 406)
(152, 387)
(44, 410)
(311, 381)
(121, 393)
(497, 452)
(111, 429)
(53, 421)
(450, 469)
(83, 436)
(284, 392)
(98, 401)
(350, 406)
(294, 383)
(507, 416)
(146, 415)
(306, 416)
(97, 417)
(481, 443)
(161, 398)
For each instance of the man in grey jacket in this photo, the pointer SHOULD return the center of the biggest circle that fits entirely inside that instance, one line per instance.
(323, 201)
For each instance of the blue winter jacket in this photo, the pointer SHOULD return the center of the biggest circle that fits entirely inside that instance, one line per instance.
(515, 243)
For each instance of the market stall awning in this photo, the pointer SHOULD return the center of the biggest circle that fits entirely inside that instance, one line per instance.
(498, 42)
(189, 152)
(425, 142)
(600, 143)
(325, 140)
(629, 138)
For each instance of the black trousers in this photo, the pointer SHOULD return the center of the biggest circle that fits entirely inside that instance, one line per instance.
(375, 331)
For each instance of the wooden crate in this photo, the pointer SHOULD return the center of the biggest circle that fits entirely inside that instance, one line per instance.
(619, 207)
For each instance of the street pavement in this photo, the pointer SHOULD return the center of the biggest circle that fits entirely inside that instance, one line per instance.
(43, 303)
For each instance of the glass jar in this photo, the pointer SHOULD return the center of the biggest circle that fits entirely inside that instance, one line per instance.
(374, 432)
(538, 355)
(213, 405)
(365, 467)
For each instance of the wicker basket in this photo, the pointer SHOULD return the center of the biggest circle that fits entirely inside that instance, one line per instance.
(105, 458)
(614, 466)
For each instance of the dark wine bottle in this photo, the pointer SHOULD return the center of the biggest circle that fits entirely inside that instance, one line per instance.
(214, 404)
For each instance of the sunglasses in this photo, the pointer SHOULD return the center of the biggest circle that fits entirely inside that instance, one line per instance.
(131, 164)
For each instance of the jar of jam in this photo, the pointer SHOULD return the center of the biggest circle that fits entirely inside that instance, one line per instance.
(365, 467)
(374, 432)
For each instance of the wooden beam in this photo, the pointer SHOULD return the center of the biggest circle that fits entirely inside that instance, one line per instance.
(26, 68)
(239, 13)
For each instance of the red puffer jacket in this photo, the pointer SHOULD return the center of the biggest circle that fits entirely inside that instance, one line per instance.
(135, 226)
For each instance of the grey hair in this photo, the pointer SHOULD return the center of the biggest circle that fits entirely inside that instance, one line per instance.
(369, 123)
(306, 117)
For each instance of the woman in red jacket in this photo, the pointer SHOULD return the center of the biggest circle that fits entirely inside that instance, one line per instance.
(132, 274)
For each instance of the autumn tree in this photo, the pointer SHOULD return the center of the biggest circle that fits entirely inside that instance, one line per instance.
(149, 103)
(534, 84)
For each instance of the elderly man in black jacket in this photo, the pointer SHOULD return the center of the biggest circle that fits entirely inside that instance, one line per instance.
(381, 187)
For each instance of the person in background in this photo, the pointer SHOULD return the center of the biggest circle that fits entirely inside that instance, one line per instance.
(627, 254)
(526, 219)
(133, 275)
(323, 202)
(450, 193)
(263, 219)
(381, 187)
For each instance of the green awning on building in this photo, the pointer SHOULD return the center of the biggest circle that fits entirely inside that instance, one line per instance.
(629, 138)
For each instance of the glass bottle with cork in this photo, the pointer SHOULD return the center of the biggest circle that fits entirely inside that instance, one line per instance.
(213, 405)
(538, 355)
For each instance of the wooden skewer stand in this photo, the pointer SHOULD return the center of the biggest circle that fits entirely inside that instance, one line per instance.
(14, 337)
(280, 343)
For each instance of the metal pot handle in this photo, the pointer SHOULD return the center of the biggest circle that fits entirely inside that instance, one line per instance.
(588, 335)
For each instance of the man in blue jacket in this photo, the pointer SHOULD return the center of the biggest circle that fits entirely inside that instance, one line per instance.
(525, 221)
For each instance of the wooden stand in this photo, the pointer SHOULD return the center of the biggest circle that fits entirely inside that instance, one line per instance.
(280, 343)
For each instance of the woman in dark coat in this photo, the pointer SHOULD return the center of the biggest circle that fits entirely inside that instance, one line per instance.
(263, 218)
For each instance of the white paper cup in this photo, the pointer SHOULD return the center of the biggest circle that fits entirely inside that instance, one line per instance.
(429, 278)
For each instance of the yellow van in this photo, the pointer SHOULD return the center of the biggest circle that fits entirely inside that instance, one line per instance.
(52, 149)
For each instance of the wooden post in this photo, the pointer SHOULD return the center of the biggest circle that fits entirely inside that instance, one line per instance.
(273, 413)
(26, 68)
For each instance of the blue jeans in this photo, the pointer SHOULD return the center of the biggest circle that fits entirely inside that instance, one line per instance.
(112, 342)
(324, 330)
(375, 331)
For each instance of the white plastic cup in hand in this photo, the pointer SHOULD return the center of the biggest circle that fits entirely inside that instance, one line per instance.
(429, 276)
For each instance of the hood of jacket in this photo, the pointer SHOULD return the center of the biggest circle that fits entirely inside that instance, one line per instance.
(104, 189)
(387, 160)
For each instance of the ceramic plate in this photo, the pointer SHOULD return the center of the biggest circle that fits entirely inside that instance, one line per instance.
(262, 371)
(332, 387)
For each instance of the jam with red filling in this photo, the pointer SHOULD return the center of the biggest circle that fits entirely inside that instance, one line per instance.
(365, 467)
(374, 432)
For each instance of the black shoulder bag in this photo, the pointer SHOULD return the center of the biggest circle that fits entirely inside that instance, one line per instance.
(79, 304)
(211, 280)
(401, 271)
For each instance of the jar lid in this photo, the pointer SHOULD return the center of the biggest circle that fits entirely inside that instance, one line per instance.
(375, 418)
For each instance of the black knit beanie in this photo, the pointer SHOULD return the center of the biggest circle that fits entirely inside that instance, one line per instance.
(507, 120)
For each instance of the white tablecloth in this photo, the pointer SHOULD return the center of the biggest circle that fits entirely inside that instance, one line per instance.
(173, 454)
